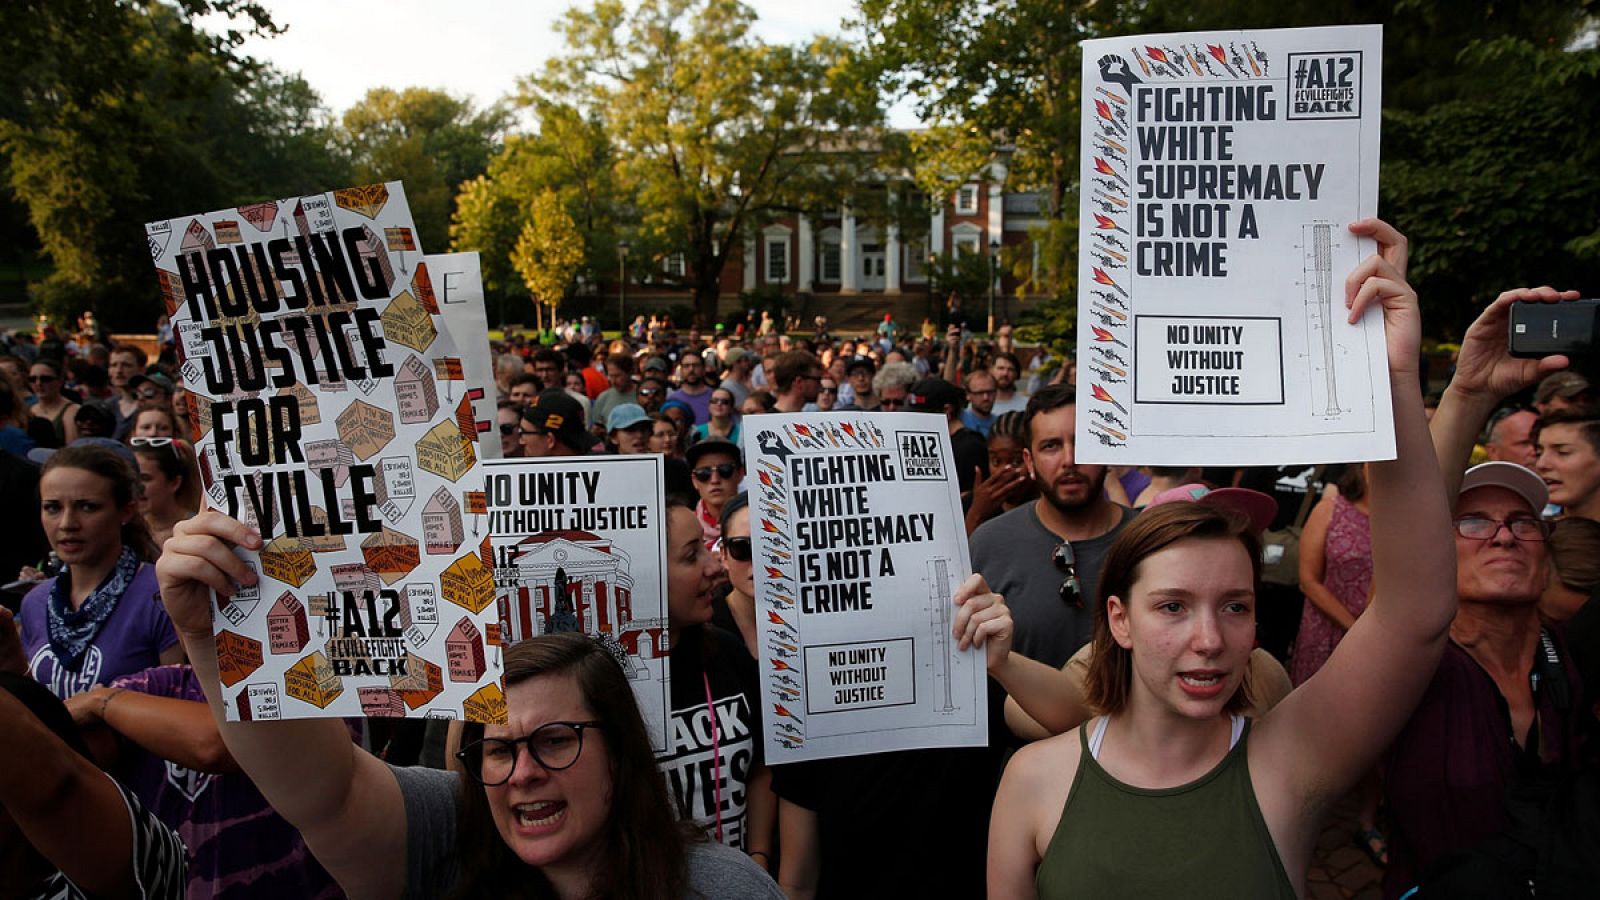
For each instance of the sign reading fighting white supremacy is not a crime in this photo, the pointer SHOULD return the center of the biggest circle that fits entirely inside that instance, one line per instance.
(1220, 173)
(859, 545)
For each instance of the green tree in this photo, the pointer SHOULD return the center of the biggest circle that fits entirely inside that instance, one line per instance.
(715, 131)
(428, 139)
(548, 253)
(568, 154)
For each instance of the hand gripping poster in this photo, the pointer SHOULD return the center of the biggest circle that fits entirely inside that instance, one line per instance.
(319, 370)
(1220, 172)
(859, 547)
(580, 544)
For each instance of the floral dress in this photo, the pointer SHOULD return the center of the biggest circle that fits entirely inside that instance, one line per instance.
(1347, 573)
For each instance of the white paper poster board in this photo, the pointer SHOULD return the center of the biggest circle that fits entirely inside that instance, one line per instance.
(580, 544)
(1220, 171)
(458, 280)
(320, 372)
(859, 546)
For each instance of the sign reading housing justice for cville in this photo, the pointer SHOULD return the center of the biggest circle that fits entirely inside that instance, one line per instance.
(327, 413)
(1220, 173)
(859, 547)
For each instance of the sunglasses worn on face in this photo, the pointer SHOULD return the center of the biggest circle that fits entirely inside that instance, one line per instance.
(41, 379)
(508, 430)
(150, 393)
(1067, 564)
(722, 470)
(738, 548)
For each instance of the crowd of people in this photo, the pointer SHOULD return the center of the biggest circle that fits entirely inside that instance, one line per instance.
(1189, 667)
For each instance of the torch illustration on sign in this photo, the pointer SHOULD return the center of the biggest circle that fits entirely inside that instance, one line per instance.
(1319, 296)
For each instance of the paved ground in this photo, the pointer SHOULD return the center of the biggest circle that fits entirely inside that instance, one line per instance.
(1340, 870)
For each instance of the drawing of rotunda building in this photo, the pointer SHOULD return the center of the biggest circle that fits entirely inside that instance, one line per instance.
(577, 581)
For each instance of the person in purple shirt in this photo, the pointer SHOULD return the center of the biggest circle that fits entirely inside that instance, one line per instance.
(102, 616)
(154, 731)
(692, 387)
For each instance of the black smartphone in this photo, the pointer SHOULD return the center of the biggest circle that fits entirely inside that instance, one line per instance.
(1571, 328)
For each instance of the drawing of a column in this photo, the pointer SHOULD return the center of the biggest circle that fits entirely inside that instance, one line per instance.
(1322, 275)
(942, 601)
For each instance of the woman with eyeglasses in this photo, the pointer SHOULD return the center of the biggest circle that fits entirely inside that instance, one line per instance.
(827, 395)
(171, 482)
(664, 436)
(101, 617)
(736, 612)
(1171, 791)
(44, 379)
(564, 800)
(724, 421)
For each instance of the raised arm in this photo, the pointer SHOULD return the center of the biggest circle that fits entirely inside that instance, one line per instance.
(1041, 700)
(69, 810)
(345, 802)
(1326, 733)
(1486, 374)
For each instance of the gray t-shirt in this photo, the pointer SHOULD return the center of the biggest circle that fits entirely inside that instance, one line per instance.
(432, 798)
(1013, 554)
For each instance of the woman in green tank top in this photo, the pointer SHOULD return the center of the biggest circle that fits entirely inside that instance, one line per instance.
(1170, 792)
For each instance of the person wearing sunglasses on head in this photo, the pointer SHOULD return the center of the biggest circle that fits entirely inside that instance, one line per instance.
(170, 481)
(153, 421)
(45, 380)
(563, 800)
(718, 468)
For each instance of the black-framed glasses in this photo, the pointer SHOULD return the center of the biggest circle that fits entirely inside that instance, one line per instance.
(1067, 564)
(508, 429)
(891, 403)
(41, 379)
(554, 746)
(531, 432)
(721, 401)
(1483, 528)
(738, 548)
(721, 470)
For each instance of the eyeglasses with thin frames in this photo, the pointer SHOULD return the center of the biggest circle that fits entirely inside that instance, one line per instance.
(554, 746)
(1071, 590)
(1484, 528)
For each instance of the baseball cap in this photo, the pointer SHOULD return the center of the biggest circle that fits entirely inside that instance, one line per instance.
(1520, 480)
(155, 378)
(1259, 508)
(556, 412)
(714, 445)
(860, 362)
(934, 394)
(657, 364)
(626, 415)
(41, 455)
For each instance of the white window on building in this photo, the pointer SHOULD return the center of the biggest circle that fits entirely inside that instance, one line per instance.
(674, 265)
(966, 238)
(830, 257)
(967, 200)
(777, 260)
(916, 262)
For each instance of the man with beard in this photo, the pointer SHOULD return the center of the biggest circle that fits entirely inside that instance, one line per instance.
(1044, 557)
(1006, 368)
(692, 388)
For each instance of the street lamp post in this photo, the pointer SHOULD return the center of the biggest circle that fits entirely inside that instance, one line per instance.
(622, 287)
(994, 256)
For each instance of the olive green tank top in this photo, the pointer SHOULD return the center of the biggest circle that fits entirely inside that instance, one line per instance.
(1200, 840)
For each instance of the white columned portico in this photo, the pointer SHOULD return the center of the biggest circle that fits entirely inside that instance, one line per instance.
(749, 263)
(808, 257)
(850, 253)
(891, 269)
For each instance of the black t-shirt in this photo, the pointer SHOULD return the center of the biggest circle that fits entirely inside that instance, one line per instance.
(971, 452)
(908, 823)
(709, 758)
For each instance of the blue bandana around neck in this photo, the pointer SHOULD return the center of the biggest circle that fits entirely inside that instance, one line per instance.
(72, 631)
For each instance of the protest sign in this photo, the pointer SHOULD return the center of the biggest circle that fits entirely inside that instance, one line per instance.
(312, 348)
(859, 547)
(580, 544)
(458, 282)
(1219, 174)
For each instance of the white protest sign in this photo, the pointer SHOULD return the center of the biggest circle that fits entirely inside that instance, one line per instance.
(859, 546)
(281, 306)
(458, 280)
(580, 544)
(1220, 172)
